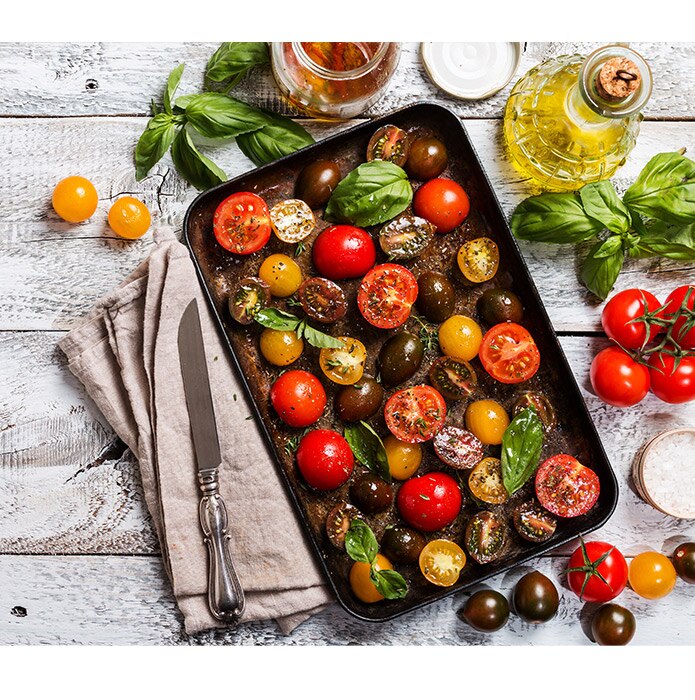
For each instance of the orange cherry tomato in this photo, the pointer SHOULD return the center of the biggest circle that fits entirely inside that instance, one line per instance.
(441, 562)
(129, 218)
(75, 199)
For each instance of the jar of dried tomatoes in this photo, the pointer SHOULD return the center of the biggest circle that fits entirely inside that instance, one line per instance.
(333, 79)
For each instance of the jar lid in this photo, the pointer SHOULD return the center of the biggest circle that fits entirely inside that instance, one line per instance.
(471, 71)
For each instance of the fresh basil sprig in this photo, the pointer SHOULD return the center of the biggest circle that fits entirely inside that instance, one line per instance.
(371, 194)
(282, 321)
(233, 60)
(521, 449)
(192, 165)
(361, 545)
(218, 116)
(655, 217)
(154, 142)
(368, 448)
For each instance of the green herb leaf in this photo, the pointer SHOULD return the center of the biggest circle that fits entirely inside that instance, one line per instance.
(601, 202)
(389, 583)
(182, 102)
(602, 266)
(192, 165)
(665, 189)
(172, 86)
(277, 320)
(554, 218)
(218, 116)
(371, 194)
(360, 542)
(154, 143)
(368, 448)
(521, 449)
(279, 137)
(319, 339)
(666, 240)
(234, 59)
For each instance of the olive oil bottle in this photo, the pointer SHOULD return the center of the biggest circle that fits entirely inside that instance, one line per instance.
(574, 119)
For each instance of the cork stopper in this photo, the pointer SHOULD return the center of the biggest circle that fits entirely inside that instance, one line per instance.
(618, 78)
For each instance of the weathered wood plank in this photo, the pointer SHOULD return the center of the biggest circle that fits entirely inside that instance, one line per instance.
(112, 79)
(126, 600)
(66, 485)
(43, 259)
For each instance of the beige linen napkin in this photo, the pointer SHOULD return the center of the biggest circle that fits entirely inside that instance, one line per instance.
(125, 353)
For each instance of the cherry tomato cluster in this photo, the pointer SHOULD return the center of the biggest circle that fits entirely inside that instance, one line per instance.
(654, 348)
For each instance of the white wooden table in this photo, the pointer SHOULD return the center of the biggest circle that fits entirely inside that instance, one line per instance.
(78, 558)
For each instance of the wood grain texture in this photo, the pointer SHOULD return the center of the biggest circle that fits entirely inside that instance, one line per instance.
(43, 259)
(115, 79)
(126, 600)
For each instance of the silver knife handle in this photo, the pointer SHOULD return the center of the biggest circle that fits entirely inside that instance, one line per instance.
(225, 595)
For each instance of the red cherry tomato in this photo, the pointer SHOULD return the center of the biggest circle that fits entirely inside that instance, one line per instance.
(429, 502)
(620, 312)
(416, 414)
(242, 223)
(617, 379)
(509, 353)
(587, 567)
(342, 252)
(670, 383)
(325, 459)
(443, 202)
(386, 295)
(565, 487)
(684, 337)
(298, 397)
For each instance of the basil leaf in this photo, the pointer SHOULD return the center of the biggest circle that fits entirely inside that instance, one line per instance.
(234, 59)
(389, 583)
(601, 202)
(154, 142)
(665, 189)
(668, 241)
(192, 165)
(319, 339)
(602, 266)
(521, 449)
(360, 542)
(276, 319)
(182, 102)
(554, 218)
(368, 449)
(217, 116)
(279, 137)
(172, 86)
(371, 194)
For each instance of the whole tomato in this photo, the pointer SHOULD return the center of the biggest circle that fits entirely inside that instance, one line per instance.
(671, 383)
(325, 459)
(617, 379)
(343, 252)
(442, 202)
(429, 502)
(298, 397)
(619, 314)
(597, 572)
(684, 337)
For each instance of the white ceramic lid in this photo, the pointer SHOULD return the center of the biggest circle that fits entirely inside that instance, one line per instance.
(471, 71)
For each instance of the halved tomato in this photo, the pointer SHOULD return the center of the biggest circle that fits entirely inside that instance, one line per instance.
(322, 300)
(509, 353)
(479, 259)
(389, 143)
(565, 487)
(292, 220)
(416, 414)
(485, 482)
(441, 562)
(344, 365)
(242, 223)
(454, 379)
(457, 448)
(386, 295)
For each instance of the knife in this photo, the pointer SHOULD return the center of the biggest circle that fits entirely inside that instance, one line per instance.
(225, 595)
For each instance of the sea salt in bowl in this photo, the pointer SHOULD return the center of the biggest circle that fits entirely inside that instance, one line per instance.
(664, 472)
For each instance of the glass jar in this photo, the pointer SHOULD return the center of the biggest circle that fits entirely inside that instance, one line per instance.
(333, 79)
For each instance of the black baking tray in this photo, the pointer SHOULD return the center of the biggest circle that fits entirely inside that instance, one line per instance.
(575, 434)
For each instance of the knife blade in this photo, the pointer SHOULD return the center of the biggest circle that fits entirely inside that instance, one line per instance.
(225, 595)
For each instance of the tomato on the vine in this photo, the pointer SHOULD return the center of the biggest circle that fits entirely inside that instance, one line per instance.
(442, 202)
(343, 252)
(617, 379)
(684, 327)
(597, 572)
(242, 223)
(509, 353)
(298, 398)
(386, 295)
(619, 318)
(673, 381)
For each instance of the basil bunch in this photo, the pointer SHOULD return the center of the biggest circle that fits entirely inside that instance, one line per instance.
(655, 217)
(261, 135)
(368, 448)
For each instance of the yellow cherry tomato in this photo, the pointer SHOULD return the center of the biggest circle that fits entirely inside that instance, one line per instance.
(344, 365)
(487, 420)
(485, 481)
(361, 583)
(652, 575)
(129, 218)
(460, 337)
(404, 458)
(441, 562)
(281, 348)
(479, 259)
(281, 274)
(75, 199)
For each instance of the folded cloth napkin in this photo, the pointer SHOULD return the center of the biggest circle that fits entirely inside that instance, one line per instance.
(125, 353)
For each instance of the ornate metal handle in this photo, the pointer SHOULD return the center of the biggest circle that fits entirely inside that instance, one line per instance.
(225, 595)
